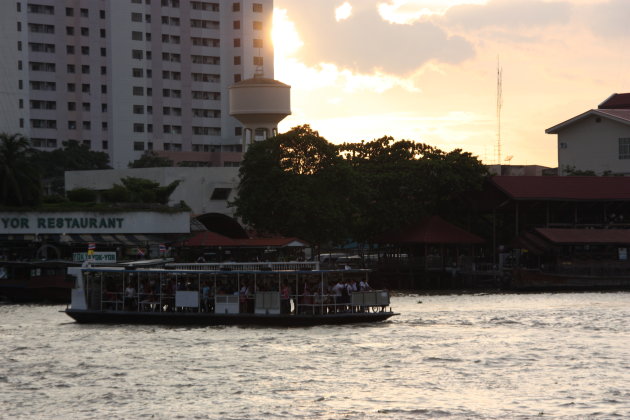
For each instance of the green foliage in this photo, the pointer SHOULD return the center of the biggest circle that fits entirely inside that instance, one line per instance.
(116, 194)
(573, 171)
(150, 159)
(82, 195)
(20, 177)
(294, 184)
(139, 190)
(299, 184)
(73, 156)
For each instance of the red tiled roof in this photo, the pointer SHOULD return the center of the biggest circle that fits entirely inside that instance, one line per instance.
(623, 114)
(212, 239)
(585, 236)
(616, 101)
(433, 230)
(565, 188)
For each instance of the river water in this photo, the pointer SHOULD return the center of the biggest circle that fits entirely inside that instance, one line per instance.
(458, 356)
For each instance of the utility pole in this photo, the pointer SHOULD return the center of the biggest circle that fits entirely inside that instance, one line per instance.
(499, 106)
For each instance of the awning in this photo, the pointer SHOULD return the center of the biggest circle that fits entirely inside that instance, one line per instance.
(432, 230)
(127, 240)
(585, 236)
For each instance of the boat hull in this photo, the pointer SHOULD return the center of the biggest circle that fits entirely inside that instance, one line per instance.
(188, 318)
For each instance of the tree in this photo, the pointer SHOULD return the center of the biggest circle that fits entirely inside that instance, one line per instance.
(403, 181)
(139, 190)
(73, 156)
(295, 184)
(299, 184)
(150, 159)
(20, 182)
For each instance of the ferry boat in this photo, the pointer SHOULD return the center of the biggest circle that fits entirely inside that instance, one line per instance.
(35, 281)
(266, 294)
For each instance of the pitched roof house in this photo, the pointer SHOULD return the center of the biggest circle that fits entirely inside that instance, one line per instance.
(597, 140)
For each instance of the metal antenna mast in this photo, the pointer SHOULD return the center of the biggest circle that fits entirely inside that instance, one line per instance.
(499, 106)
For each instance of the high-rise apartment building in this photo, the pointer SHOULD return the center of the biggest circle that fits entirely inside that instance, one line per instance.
(126, 76)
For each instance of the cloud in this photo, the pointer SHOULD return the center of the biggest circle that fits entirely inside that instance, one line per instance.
(610, 19)
(365, 42)
(509, 14)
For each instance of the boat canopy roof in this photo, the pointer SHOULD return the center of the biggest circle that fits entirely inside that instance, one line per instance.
(219, 272)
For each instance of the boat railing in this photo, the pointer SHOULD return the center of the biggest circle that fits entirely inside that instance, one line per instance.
(249, 266)
(260, 303)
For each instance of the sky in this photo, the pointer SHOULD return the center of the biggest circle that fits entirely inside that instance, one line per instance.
(427, 70)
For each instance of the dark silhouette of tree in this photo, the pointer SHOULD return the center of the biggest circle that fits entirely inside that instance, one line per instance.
(150, 159)
(20, 182)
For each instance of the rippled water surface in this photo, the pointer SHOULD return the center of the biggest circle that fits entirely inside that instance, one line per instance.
(469, 356)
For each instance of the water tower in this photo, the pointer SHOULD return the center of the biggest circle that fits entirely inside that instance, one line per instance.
(259, 104)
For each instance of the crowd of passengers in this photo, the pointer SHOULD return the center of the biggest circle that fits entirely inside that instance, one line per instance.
(149, 294)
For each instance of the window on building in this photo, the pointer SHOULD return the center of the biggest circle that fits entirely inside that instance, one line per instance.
(85, 31)
(70, 49)
(72, 106)
(105, 145)
(258, 43)
(237, 42)
(138, 91)
(258, 61)
(236, 24)
(236, 7)
(138, 109)
(237, 78)
(138, 128)
(257, 7)
(69, 30)
(87, 125)
(624, 148)
(136, 17)
(69, 11)
(220, 193)
(138, 146)
(258, 25)
(70, 68)
(85, 13)
(85, 50)
(237, 60)
(137, 36)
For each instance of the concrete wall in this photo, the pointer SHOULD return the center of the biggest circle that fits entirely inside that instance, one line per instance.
(593, 144)
(195, 189)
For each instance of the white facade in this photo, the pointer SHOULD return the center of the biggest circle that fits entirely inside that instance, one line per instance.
(595, 141)
(204, 190)
(127, 76)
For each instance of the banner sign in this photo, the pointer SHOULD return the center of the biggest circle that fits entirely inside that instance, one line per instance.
(93, 222)
(109, 257)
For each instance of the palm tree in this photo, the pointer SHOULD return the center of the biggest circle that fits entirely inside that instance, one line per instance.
(20, 183)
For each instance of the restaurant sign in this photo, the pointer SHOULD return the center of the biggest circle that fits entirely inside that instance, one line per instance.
(94, 222)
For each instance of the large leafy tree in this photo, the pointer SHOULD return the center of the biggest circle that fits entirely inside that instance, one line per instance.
(295, 184)
(300, 184)
(150, 159)
(404, 181)
(73, 156)
(20, 182)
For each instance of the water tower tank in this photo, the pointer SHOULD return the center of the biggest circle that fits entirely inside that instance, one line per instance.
(259, 104)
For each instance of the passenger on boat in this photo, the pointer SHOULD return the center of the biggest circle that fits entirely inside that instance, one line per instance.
(364, 286)
(205, 297)
(338, 290)
(243, 298)
(285, 303)
(130, 297)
